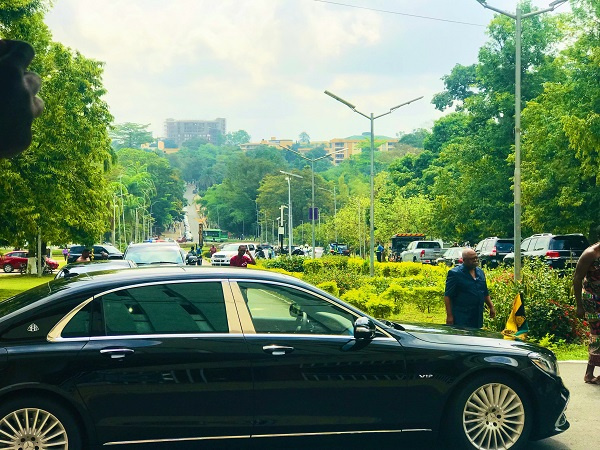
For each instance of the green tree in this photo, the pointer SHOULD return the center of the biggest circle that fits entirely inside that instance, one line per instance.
(130, 135)
(237, 138)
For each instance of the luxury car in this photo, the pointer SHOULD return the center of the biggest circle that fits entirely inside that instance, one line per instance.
(77, 268)
(189, 355)
(451, 256)
(560, 251)
(156, 253)
(223, 255)
(100, 251)
(492, 250)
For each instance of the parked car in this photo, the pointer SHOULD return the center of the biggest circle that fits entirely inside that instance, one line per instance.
(492, 250)
(148, 345)
(77, 268)
(17, 260)
(222, 256)
(561, 251)
(13, 260)
(451, 256)
(425, 252)
(100, 251)
(337, 248)
(156, 253)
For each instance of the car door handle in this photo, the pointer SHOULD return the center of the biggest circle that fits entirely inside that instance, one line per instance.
(277, 350)
(116, 353)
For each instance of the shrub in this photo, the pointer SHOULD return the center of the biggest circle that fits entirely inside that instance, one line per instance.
(357, 298)
(313, 265)
(331, 287)
(427, 298)
(380, 307)
(398, 294)
(290, 264)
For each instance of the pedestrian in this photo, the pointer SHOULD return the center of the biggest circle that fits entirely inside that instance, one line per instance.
(379, 252)
(467, 293)
(65, 253)
(18, 89)
(85, 256)
(243, 258)
(586, 288)
(212, 250)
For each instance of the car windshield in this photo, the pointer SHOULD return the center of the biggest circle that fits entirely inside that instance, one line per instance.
(111, 249)
(154, 255)
(230, 247)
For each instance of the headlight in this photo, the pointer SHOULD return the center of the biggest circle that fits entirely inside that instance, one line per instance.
(546, 363)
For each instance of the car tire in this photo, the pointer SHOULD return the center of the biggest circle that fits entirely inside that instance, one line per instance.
(490, 411)
(8, 268)
(49, 424)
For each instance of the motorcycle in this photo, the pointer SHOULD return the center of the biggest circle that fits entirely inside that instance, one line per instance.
(193, 260)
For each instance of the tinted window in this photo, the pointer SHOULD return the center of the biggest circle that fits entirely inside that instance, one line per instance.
(279, 309)
(568, 243)
(166, 309)
(428, 245)
(505, 246)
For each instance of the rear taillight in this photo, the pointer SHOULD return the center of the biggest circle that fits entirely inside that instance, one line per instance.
(494, 251)
(422, 253)
(460, 260)
(551, 254)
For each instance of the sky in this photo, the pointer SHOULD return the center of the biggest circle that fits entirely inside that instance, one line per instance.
(264, 64)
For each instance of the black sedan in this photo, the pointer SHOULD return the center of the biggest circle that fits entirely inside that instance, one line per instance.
(180, 356)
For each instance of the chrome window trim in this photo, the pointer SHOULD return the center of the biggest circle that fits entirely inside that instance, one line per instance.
(150, 336)
(232, 317)
(242, 304)
(274, 336)
(261, 436)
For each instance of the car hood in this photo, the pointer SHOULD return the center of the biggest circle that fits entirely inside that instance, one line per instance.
(444, 334)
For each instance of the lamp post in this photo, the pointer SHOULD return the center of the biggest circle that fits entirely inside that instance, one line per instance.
(334, 211)
(312, 166)
(290, 226)
(517, 17)
(372, 118)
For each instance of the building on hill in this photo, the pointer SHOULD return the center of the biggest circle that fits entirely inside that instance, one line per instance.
(273, 142)
(351, 147)
(183, 130)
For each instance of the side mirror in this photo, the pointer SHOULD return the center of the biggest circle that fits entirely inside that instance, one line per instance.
(364, 328)
(295, 310)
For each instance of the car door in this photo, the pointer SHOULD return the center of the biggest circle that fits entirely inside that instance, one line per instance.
(167, 362)
(310, 374)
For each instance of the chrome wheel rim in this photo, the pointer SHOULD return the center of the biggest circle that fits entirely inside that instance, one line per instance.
(8, 268)
(32, 429)
(493, 417)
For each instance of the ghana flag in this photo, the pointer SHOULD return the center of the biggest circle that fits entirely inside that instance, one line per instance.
(516, 324)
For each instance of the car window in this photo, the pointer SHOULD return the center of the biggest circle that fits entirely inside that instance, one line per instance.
(230, 247)
(281, 309)
(165, 309)
(486, 246)
(154, 254)
(568, 243)
(541, 243)
(505, 246)
(525, 244)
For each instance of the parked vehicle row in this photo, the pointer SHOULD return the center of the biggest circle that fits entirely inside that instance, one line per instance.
(17, 260)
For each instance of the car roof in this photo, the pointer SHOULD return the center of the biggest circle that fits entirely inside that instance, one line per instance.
(154, 244)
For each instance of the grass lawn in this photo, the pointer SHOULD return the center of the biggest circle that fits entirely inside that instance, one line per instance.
(13, 284)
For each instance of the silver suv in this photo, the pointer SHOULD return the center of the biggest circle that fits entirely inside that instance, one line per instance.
(559, 251)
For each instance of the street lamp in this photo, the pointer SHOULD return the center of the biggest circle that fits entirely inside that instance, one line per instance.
(290, 229)
(334, 210)
(372, 119)
(312, 165)
(517, 190)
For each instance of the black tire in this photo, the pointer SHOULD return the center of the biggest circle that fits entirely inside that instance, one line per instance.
(8, 268)
(493, 406)
(46, 419)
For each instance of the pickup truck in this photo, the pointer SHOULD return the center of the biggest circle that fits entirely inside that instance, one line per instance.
(425, 252)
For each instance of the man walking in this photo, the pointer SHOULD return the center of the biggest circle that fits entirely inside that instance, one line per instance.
(467, 293)
(243, 258)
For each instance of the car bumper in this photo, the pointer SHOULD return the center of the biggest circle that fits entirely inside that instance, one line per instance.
(219, 262)
(552, 401)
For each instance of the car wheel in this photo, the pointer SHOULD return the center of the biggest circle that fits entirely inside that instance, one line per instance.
(490, 412)
(414, 259)
(8, 268)
(38, 424)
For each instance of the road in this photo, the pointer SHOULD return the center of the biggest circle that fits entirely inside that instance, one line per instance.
(192, 213)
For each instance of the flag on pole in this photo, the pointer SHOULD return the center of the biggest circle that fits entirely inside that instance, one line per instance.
(516, 324)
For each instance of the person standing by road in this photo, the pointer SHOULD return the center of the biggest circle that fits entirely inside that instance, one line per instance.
(243, 258)
(467, 293)
(586, 288)
(65, 253)
(379, 252)
(212, 250)
(85, 256)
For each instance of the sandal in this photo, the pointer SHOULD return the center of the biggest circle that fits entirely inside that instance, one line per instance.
(595, 380)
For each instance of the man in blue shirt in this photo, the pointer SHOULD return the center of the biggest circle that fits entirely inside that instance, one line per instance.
(467, 293)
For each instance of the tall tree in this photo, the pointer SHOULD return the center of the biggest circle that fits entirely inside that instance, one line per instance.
(130, 135)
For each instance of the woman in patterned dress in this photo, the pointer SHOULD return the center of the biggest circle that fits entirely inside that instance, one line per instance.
(586, 287)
